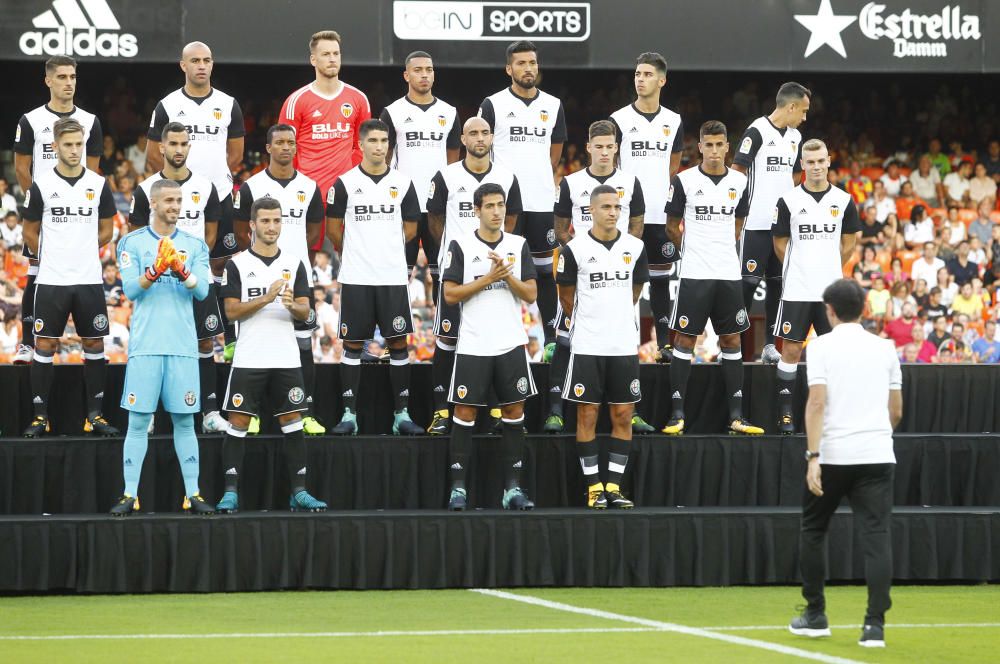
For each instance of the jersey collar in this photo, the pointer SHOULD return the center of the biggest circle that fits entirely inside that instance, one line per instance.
(61, 115)
(150, 230)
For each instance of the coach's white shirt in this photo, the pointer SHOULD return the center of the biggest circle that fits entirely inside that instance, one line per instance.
(859, 369)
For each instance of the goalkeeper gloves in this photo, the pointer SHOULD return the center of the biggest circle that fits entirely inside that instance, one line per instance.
(182, 272)
(165, 254)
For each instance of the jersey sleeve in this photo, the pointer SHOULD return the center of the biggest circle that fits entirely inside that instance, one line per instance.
(816, 373)
(286, 116)
(678, 145)
(314, 213)
(783, 220)
(895, 372)
(301, 287)
(640, 274)
(566, 268)
(749, 145)
(213, 208)
(231, 285)
(33, 204)
(797, 168)
(454, 140)
(637, 206)
(743, 207)
(364, 113)
(528, 270)
(410, 207)
(455, 271)
(236, 127)
(386, 117)
(244, 201)
(487, 113)
(559, 130)
(130, 267)
(336, 200)
(564, 204)
(514, 204)
(676, 200)
(24, 137)
(618, 133)
(138, 214)
(200, 268)
(852, 222)
(106, 208)
(437, 202)
(157, 123)
(95, 141)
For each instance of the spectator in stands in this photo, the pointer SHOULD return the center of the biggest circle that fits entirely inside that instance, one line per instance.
(957, 184)
(110, 157)
(940, 161)
(534, 349)
(327, 317)
(920, 229)
(967, 302)
(7, 201)
(981, 186)
(928, 265)
(892, 179)
(112, 284)
(876, 304)
(992, 161)
(900, 292)
(858, 185)
(872, 230)
(122, 194)
(986, 348)
(322, 269)
(896, 273)
(9, 333)
(949, 289)
(952, 229)
(925, 349)
(926, 182)
(136, 154)
(982, 226)
(910, 353)
(960, 267)
(920, 294)
(977, 254)
(900, 330)
(880, 200)
(329, 350)
(870, 267)
(934, 309)
(906, 201)
(10, 231)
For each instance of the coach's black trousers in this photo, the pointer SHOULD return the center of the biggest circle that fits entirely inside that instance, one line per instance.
(868, 487)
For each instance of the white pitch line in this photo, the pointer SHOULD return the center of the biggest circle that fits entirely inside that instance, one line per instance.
(668, 627)
(890, 626)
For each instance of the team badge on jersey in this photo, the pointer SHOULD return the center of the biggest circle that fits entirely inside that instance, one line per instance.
(195, 197)
(550, 236)
(343, 330)
(621, 192)
(125, 260)
(300, 196)
(741, 317)
(579, 389)
(346, 109)
(217, 113)
(834, 211)
(668, 249)
(442, 120)
(522, 385)
(286, 274)
(100, 322)
(511, 257)
(751, 265)
(627, 257)
(683, 321)
(786, 327)
(634, 387)
(732, 194)
(446, 325)
(190, 398)
(296, 395)
(130, 398)
(746, 145)
(544, 115)
(461, 391)
(237, 400)
(229, 241)
(90, 193)
(39, 324)
(666, 131)
(398, 323)
(561, 264)
(393, 192)
(211, 322)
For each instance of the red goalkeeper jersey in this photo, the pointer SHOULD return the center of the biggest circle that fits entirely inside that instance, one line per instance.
(326, 131)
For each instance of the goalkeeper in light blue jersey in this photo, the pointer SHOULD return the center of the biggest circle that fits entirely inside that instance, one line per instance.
(163, 270)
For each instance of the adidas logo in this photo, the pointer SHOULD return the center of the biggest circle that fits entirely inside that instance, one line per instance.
(47, 130)
(456, 466)
(461, 190)
(309, 399)
(699, 193)
(803, 211)
(476, 259)
(181, 113)
(633, 130)
(302, 471)
(36, 400)
(408, 119)
(665, 319)
(738, 393)
(405, 393)
(317, 114)
(517, 465)
(676, 394)
(592, 260)
(191, 459)
(770, 144)
(785, 391)
(555, 389)
(358, 191)
(231, 471)
(211, 396)
(128, 463)
(251, 275)
(439, 388)
(348, 393)
(99, 395)
(511, 115)
(71, 28)
(54, 195)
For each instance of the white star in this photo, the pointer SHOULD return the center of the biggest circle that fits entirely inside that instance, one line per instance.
(825, 28)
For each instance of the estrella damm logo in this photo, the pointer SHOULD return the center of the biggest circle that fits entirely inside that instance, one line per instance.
(442, 121)
(544, 115)
(300, 196)
(621, 192)
(346, 109)
(217, 113)
(627, 257)
(732, 194)
(834, 211)
(393, 192)
(195, 197)
(90, 194)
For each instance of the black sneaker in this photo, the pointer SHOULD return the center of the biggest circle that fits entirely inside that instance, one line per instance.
(786, 426)
(100, 427)
(197, 505)
(813, 625)
(516, 499)
(441, 424)
(38, 426)
(617, 501)
(457, 502)
(126, 505)
(872, 636)
(666, 353)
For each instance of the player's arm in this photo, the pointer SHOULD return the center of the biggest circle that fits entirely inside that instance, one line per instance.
(213, 212)
(816, 373)
(295, 298)
(558, 139)
(636, 210)
(199, 266)
(31, 221)
(640, 275)
(677, 150)
(134, 282)
(106, 210)
(242, 202)
(895, 390)
(676, 201)
(231, 292)
(514, 206)
(314, 220)
(781, 230)
(524, 286)
(437, 206)
(95, 146)
(563, 214)
(336, 208)
(798, 175)
(386, 117)
(455, 290)
(487, 112)
(24, 143)
(742, 210)
(410, 209)
(850, 231)
(747, 152)
(566, 273)
(138, 212)
(453, 143)
(154, 160)
(234, 142)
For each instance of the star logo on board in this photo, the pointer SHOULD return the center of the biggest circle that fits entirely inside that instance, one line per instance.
(825, 28)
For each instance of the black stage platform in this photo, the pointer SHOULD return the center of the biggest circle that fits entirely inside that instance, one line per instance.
(936, 398)
(83, 475)
(436, 549)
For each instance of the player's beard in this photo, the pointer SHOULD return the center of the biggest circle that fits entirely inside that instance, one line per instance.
(528, 84)
(478, 153)
(178, 161)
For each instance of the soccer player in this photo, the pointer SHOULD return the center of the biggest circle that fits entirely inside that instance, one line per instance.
(490, 273)
(301, 226)
(68, 215)
(214, 122)
(712, 201)
(372, 210)
(34, 154)
(573, 215)
(652, 140)
(815, 231)
(264, 289)
(163, 268)
(326, 115)
(199, 216)
(424, 137)
(451, 215)
(529, 129)
(600, 273)
(769, 155)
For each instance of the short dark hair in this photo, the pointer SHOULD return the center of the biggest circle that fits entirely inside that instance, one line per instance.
(712, 128)
(917, 210)
(791, 92)
(274, 129)
(170, 128)
(650, 58)
(521, 46)
(370, 125)
(57, 61)
(602, 189)
(415, 55)
(847, 299)
(267, 203)
(65, 126)
(601, 128)
(484, 190)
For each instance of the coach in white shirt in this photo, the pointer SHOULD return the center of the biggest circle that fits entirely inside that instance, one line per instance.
(849, 454)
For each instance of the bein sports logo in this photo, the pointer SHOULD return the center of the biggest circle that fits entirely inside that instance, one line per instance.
(491, 21)
(80, 28)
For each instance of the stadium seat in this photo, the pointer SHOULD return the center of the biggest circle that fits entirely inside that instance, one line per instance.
(967, 216)
(872, 172)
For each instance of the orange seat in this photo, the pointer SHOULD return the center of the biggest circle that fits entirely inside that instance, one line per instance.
(872, 172)
(995, 216)
(906, 258)
(906, 171)
(967, 216)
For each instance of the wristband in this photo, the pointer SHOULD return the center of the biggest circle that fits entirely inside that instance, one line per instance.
(151, 274)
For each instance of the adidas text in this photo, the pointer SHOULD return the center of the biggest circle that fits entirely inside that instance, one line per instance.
(76, 33)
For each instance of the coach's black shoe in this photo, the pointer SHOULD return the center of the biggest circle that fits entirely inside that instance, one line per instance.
(641, 426)
(100, 427)
(617, 501)
(441, 424)
(813, 625)
(872, 636)
(38, 426)
(786, 426)
(304, 502)
(458, 501)
(126, 505)
(197, 505)
(515, 499)
(665, 354)
(347, 426)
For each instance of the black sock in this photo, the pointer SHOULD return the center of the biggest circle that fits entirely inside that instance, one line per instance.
(547, 298)
(399, 377)
(94, 370)
(618, 450)
(732, 371)
(295, 456)
(680, 371)
(41, 381)
(442, 366)
(786, 387)
(206, 376)
(350, 378)
(771, 303)
(28, 312)
(232, 457)
(435, 284)
(589, 462)
(308, 377)
(659, 305)
(512, 444)
(557, 375)
(458, 451)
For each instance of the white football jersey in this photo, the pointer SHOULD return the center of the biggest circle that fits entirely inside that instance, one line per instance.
(200, 204)
(421, 135)
(34, 136)
(645, 146)
(574, 198)
(771, 157)
(451, 193)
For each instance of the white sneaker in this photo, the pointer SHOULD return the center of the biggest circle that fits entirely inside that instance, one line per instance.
(770, 355)
(152, 425)
(214, 423)
(24, 354)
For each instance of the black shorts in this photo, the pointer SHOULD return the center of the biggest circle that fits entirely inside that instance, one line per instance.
(757, 255)
(562, 320)
(795, 319)
(447, 317)
(54, 304)
(247, 389)
(304, 328)
(207, 318)
(659, 249)
(363, 307)
(537, 228)
(426, 240)
(602, 379)
(475, 376)
(225, 238)
(698, 300)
